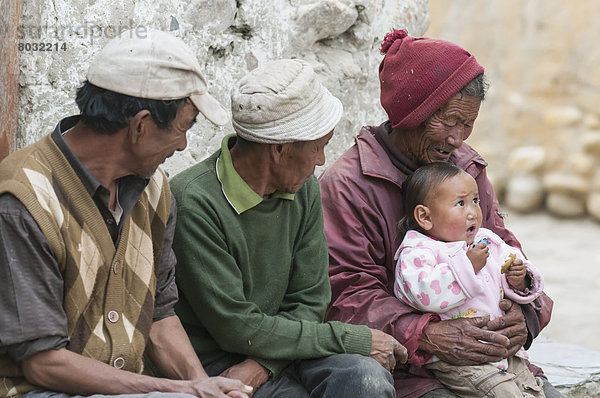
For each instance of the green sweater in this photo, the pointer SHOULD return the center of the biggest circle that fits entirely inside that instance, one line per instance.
(253, 278)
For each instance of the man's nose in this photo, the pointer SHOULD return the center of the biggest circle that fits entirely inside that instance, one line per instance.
(455, 136)
(183, 143)
(320, 158)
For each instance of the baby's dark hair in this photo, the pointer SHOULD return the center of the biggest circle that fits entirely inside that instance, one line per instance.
(418, 186)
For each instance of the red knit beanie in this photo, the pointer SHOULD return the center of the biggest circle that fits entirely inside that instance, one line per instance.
(419, 75)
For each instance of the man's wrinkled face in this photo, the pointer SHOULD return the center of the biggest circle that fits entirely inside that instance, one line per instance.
(298, 164)
(444, 131)
(159, 144)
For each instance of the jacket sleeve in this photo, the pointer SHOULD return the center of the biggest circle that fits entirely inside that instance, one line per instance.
(537, 314)
(424, 282)
(537, 281)
(210, 277)
(361, 281)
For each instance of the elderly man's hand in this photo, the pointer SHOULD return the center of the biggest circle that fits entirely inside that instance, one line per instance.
(219, 387)
(512, 325)
(464, 341)
(249, 372)
(387, 350)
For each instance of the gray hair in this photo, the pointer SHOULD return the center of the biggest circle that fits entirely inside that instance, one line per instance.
(476, 87)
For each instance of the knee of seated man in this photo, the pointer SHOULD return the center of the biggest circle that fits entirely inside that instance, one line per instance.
(362, 376)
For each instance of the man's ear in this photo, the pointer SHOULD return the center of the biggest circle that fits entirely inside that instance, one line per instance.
(138, 125)
(423, 217)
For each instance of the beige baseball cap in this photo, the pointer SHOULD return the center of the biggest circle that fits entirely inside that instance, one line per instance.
(156, 65)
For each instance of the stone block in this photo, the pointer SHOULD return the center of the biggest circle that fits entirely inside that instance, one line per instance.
(216, 15)
(565, 205)
(593, 205)
(591, 121)
(591, 144)
(562, 116)
(567, 183)
(322, 19)
(524, 193)
(595, 181)
(582, 164)
(527, 159)
(378, 17)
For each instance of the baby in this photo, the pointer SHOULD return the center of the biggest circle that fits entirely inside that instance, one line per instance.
(448, 264)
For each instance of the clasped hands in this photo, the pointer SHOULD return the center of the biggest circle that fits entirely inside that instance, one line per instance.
(250, 372)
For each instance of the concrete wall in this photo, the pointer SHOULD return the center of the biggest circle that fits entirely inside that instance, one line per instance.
(10, 20)
(340, 38)
(540, 126)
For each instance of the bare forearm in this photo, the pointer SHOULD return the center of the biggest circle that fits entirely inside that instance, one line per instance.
(170, 350)
(65, 371)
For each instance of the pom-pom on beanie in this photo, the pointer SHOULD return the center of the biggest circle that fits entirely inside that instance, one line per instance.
(419, 75)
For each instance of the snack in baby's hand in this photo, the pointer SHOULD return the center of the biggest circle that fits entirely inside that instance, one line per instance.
(511, 257)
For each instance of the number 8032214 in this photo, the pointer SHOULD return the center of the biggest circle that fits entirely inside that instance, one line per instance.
(41, 46)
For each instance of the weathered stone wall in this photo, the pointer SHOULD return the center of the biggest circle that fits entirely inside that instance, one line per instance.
(10, 17)
(539, 127)
(340, 38)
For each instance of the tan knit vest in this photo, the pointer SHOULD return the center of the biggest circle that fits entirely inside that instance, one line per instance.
(109, 292)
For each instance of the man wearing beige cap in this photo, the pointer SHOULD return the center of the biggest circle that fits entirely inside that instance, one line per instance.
(252, 256)
(86, 225)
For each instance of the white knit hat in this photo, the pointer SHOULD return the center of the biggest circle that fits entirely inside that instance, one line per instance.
(282, 101)
(154, 65)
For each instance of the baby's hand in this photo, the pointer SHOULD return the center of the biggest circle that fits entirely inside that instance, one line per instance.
(478, 254)
(516, 275)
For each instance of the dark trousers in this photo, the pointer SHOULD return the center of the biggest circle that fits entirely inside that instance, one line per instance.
(341, 375)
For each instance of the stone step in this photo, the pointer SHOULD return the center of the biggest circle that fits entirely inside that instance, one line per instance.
(574, 370)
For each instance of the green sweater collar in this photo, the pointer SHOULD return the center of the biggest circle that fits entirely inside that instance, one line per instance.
(239, 195)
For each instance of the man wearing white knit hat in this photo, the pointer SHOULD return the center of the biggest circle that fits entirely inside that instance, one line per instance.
(252, 257)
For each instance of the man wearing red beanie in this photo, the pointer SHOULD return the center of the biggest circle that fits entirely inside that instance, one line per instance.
(431, 91)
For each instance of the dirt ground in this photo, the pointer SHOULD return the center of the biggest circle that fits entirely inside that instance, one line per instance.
(567, 252)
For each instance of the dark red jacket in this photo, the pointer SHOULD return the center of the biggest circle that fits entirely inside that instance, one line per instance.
(362, 203)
